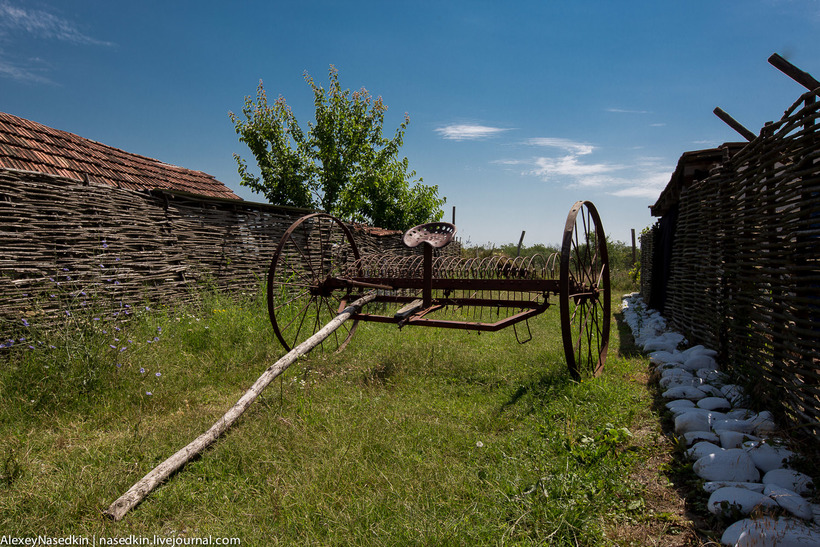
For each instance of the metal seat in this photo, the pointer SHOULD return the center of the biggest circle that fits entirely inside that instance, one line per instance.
(435, 234)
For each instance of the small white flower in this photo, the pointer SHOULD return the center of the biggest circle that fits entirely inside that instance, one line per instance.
(479, 444)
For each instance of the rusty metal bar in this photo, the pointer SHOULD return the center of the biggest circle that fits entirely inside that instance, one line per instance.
(427, 291)
(511, 285)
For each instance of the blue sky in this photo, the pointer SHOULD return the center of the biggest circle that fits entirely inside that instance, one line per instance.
(517, 109)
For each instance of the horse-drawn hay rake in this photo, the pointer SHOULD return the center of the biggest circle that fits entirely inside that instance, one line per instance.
(317, 279)
(317, 271)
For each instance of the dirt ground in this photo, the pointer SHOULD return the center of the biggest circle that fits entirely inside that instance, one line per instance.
(675, 514)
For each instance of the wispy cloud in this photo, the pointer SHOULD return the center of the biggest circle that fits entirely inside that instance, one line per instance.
(641, 177)
(463, 132)
(587, 174)
(628, 111)
(42, 24)
(32, 74)
(20, 23)
(575, 148)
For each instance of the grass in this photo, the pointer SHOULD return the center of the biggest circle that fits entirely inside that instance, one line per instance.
(411, 437)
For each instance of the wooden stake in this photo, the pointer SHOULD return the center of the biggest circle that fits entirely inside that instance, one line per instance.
(141, 489)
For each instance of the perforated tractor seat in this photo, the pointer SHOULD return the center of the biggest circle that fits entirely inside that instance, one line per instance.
(435, 234)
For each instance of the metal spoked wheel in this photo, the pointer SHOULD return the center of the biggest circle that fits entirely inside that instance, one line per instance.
(302, 297)
(584, 292)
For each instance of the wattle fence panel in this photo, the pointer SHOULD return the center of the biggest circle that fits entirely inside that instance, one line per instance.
(744, 271)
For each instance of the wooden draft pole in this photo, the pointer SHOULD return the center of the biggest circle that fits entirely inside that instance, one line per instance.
(145, 485)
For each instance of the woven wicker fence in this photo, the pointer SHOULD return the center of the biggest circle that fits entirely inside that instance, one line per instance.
(745, 265)
(69, 245)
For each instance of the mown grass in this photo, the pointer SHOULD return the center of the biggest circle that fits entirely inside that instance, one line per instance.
(411, 437)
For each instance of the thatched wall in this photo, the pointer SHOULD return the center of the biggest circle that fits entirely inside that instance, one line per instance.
(68, 245)
(745, 264)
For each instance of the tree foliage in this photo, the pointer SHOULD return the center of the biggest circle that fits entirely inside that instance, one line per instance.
(342, 164)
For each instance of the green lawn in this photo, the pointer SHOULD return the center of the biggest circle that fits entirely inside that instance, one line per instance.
(411, 437)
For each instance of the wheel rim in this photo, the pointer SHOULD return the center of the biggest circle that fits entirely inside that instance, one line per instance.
(585, 292)
(314, 249)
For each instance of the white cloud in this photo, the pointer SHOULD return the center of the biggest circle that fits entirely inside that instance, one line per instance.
(41, 24)
(642, 177)
(575, 148)
(17, 24)
(569, 166)
(463, 132)
(21, 73)
(648, 179)
(627, 111)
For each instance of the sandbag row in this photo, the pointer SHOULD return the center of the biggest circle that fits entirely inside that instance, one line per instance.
(737, 452)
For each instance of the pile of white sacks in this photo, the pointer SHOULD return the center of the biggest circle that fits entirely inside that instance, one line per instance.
(744, 467)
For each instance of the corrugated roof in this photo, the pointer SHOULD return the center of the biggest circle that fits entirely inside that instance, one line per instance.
(29, 146)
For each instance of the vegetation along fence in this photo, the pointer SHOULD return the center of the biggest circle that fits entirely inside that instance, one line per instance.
(70, 246)
(742, 270)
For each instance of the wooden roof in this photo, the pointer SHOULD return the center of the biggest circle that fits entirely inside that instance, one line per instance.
(30, 146)
(692, 166)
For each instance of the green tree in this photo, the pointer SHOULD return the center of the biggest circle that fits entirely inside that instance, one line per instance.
(342, 164)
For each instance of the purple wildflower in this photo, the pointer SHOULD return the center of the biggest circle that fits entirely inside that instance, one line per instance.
(148, 393)
(142, 371)
(112, 346)
(25, 323)
(158, 374)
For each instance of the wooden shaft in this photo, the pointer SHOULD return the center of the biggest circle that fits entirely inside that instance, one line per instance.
(734, 124)
(144, 486)
(803, 78)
